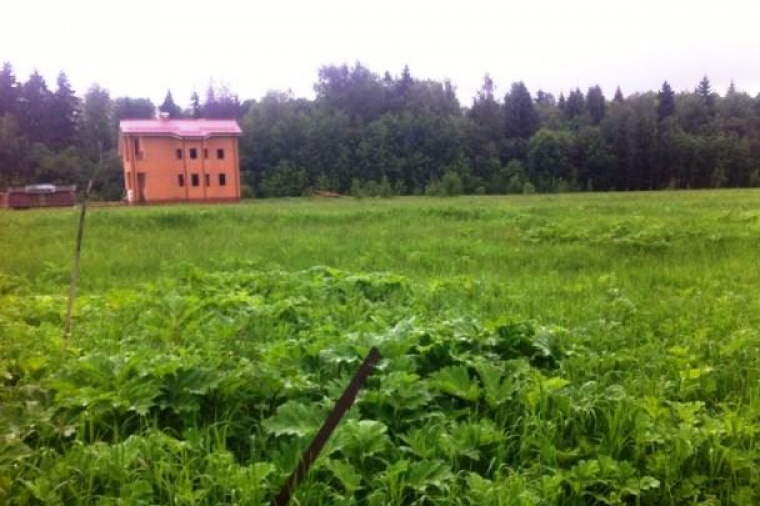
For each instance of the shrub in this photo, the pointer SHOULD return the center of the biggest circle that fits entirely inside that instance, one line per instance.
(451, 184)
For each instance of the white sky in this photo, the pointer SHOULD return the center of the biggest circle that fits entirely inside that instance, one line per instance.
(140, 48)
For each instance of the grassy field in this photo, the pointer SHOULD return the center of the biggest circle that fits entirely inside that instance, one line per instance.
(564, 349)
(547, 257)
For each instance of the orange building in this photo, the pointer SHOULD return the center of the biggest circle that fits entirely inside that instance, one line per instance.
(169, 160)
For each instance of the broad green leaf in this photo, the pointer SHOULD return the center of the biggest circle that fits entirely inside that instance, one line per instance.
(295, 419)
(346, 474)
(456, 381)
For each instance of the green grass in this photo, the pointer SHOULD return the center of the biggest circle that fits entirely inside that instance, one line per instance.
(548, 257)
(564, 349)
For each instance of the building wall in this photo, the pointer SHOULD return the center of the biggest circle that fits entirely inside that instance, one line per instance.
(198, 173)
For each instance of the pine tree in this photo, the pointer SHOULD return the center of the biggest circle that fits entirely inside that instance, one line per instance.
(13, 149)
(576, 105)
(65, 111)
(9, 90)
(404, 87)
(666, 102)
(210, 108)
(228, 104)
(35, 115)
(596, 104)
(195, 105)
(96, 123)
(169, 107)
(520, 115)
(704, 91)
(544, 98)
(486, 91)
(618, 98)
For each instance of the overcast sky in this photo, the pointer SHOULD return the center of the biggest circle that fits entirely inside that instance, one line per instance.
(141, 48)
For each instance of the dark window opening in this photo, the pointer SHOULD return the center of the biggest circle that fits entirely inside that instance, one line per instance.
(205, 153)
(220, 154)
(193, 153)
(222, 179)
(136, 143)
(195, 180)
(181, 179)
(179, 154)
(207, 177)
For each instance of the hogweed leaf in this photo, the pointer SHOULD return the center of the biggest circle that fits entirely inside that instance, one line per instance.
(456, 381)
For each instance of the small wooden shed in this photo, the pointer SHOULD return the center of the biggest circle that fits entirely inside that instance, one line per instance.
(38, 195)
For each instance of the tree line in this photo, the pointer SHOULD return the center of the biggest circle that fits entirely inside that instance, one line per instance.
(371, 134)
(51, 135)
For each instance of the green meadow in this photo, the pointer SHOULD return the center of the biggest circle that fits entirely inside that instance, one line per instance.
(568, 349)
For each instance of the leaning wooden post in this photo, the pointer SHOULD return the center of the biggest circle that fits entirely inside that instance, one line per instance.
(311, 454)
(78, 246)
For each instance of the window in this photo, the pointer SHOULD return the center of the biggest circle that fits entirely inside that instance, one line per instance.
(193, 153)
(207, 177)
(205, 153)
(179, 154)
(222, 179)
(195, 180)
(181, 179)
(129, 180)
(136, 143)
(220, 154)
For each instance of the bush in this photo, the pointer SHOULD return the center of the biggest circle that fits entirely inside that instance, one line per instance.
(246, 191)
(509, 179)
(433, 188)
(384, 188)
(754, 178)
(285, 180)
(357, 190)
(451, 184)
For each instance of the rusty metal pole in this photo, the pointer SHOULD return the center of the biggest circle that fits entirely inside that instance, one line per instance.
(344, 403)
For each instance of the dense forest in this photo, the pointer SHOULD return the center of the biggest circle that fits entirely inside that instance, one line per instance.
(371, 134)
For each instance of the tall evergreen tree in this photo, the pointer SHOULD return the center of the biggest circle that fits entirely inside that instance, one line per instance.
(404, 87)
(520, 116)
(576, 105)
(666, 102)
(737, 104)
(169, 107)
(221, 103)
(544, 98)
(13, 150)
(64, 109)
(195, 105)
(96, 130)
(618, 98)
(562, 103)
(596, 104)
(9, 90)
(35, 115)
(704, 91)
(133, 108)
(484, 131)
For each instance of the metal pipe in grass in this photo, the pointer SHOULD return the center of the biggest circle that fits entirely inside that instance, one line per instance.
(344, 403)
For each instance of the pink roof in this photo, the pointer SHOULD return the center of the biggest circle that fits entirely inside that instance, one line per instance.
(180, 127)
